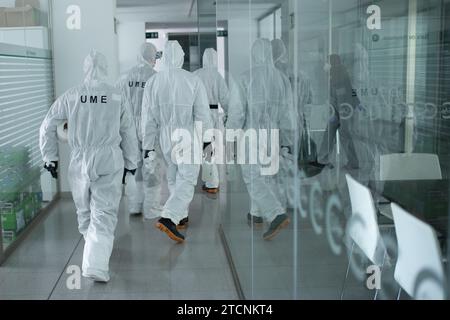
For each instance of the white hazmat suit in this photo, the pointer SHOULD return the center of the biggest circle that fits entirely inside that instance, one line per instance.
(263, 100)
(174, 100)
(144, 192)
(102, 138)
(218, 93)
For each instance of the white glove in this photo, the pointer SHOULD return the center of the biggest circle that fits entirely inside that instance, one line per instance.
(150, 162)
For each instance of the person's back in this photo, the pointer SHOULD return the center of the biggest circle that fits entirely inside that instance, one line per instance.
(215, 84)
(280, 59)
(96, 116)
(175, 91)
(133, 84)
(91, 106)
(265, 95)
(173, 94)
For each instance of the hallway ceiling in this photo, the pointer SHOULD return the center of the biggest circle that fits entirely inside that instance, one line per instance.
(185, 11)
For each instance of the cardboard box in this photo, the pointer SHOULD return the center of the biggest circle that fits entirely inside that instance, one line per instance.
(8, 238)
(22, 17)
(28, 209)
(2, 18)
(22, 3)
(12, 217)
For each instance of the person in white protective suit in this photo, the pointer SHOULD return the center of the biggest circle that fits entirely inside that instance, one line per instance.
(174, 100)
(302, 92)
(218, 93)
(263, 101)
(102, 138)
(300, 82)
(280, 58)
(342, 99)
(144, 192)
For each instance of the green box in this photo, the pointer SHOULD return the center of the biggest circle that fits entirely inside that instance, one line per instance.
(28, 208)
(12, 217)
(8, 238)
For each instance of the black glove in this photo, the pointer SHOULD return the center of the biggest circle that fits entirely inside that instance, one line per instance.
(207, 151)
(286, 149)
(125, 172)
(52, 167)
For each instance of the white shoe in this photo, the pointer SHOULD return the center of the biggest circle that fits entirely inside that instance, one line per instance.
(102, 277)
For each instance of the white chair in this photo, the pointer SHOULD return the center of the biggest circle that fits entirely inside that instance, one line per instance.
(410, 166)
(364, 229)
(419, 269)
(317, 116)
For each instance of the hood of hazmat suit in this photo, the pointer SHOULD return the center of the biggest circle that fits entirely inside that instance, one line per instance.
(279, 51)
(280, 59)
(173, 56)
(210, 58)
(102, 138)
(95, 68)
(303, 85)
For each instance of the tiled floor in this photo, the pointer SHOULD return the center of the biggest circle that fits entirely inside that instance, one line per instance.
(145, 264)
(299, 263)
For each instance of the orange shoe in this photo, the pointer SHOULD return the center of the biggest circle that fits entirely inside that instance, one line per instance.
(211, 190)
(280, 222)
(169, 228)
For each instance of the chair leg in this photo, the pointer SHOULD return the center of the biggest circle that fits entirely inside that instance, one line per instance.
(399, 293)
(381, 273)
(348, 271)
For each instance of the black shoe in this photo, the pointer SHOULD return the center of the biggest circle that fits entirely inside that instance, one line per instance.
(169, 228)
(317, 164)
(316, 168)
(183, 224)
(280, 222)
(256, 221)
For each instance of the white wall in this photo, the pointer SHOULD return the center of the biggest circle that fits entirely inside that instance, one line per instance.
(7, 3)
(72, 46)
(241, 36)
(12, 4)
(131, 35)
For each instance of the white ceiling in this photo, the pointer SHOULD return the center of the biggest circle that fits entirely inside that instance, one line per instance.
(144, 3)
(157, 11)
(185, 11)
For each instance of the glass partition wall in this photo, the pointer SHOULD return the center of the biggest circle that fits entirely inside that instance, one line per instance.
(26, 93)
(365, 182)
